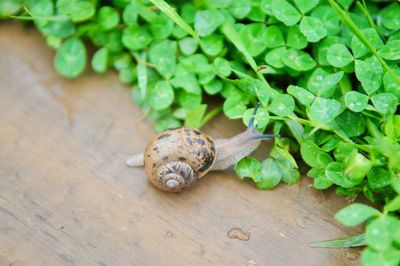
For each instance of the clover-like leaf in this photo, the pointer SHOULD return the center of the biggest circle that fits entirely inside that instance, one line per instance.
(207, 21)
(302, 95)
(188, 45)
(248, 167)
(130, 14)
(339, 56)
(298, 60)
(380, 233)
(355, 101)
(212, 45)
(313, 155)
(322, 83)
(222, 66)
(273, 37)
(233, 107)
(77, 10)
(295, 38)
(213, 87)
(378, 177)
(161, 27)
(335, 172)
(163, 56)
(325, 110)
(108, 17)
(369, 72)
(282, 105)
(162, 95)
(371, 257)
(269, 175)
(285, 12)
(70, 59)
(188, 82)
(355, 214)
(312, 28)
(391, 16)
(240, 8)
(306, 5)
(100, 60)
(353, 124)
(391, 50)
(386, 103)
(135, 37)
(330, 18)
(274, 57)
(252, 36)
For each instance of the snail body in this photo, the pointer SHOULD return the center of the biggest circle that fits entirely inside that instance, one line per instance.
(175, 158)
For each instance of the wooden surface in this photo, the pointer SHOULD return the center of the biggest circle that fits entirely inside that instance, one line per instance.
(67, 198)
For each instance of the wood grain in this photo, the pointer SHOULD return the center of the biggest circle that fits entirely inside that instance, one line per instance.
(67, 198)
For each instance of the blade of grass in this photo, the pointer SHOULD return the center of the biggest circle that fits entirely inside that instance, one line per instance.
(171, 13)
(33, 17)
(213, 113)
(364, 9)
(141, 73)
(346, 242)
(347, 20)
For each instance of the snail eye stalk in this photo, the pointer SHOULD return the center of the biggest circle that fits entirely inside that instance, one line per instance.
(251, 122)
(264, 136)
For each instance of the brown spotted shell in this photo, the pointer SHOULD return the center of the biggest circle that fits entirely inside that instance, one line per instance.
(176, 158)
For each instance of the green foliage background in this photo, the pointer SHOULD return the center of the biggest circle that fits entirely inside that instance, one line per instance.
(325, 72)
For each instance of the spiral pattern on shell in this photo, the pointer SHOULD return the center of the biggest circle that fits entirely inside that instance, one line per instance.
(175, 176)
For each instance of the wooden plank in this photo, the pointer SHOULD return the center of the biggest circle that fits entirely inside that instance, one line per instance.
(67, 198)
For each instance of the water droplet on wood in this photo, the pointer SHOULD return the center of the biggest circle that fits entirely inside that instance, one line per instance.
(238, 233)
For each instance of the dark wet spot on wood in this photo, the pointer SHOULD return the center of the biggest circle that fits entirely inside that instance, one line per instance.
(148, 155)
(200, 141)
(154, 165)
(181, 158)
(164, 136)
(188, 140)
(164, 158)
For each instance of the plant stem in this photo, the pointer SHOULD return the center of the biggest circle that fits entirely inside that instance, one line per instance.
(364, 9)
(347, 20)
(171, 13)
(213, 113)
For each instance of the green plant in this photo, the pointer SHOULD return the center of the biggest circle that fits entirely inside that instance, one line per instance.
(325, 72)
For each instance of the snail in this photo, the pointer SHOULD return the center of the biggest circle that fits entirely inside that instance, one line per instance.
(175, 158)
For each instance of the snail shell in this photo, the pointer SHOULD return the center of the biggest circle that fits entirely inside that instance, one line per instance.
(176, 158)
